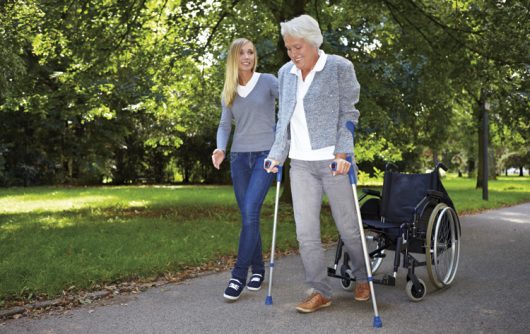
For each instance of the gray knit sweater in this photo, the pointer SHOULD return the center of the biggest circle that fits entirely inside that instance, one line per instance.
(329, 104)
(254, 117)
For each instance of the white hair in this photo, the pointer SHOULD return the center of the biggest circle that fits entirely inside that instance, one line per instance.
(305, 27)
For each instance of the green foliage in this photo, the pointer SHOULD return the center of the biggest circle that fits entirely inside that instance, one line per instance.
(125, 90)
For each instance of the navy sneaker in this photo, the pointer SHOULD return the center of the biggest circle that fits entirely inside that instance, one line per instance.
(233, 291)
(255, 282)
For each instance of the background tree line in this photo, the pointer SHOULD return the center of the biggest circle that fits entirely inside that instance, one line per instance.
(115, 91)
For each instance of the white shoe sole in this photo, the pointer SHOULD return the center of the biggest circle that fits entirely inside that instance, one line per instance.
(305, 310)
(253, 289)
(231, 298)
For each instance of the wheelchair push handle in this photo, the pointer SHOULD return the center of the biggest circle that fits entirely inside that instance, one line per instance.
(441, 165)
(391, 167)
(268, 163)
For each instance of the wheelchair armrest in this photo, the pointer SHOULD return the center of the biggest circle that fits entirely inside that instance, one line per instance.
(435, 194)
(371, 192)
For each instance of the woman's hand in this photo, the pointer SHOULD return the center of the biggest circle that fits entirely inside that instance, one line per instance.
(340, 165)
(271, 166)
(217, 158)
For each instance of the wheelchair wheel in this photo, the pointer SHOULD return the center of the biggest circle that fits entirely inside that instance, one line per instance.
(373, 242)
(345, 271)
(416, 294)
(442, 249)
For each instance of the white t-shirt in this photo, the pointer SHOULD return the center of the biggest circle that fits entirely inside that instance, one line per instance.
(300, 148)
(243, 91)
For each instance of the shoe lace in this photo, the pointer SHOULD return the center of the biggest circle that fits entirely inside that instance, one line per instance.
(255, 278)
(310, 297)
(234, 286)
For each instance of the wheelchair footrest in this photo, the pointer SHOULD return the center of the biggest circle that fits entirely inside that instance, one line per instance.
(385, 280)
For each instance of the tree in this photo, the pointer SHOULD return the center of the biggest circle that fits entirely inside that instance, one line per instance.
(123, 90)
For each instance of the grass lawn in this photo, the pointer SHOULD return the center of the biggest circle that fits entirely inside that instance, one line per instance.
(54, 239)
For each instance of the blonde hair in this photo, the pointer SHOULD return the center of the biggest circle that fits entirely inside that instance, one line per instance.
(305, 27)
(232, 66)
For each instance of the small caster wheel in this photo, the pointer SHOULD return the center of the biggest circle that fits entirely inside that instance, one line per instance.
(346, 283)
(414, 293)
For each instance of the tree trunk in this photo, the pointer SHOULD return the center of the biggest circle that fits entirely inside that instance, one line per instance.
(480, 122)
(480, 165)
(492, 163)
(435, 157)
(283, 11)
(470, 167)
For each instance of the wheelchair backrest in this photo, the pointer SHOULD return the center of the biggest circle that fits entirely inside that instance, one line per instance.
(403, 192)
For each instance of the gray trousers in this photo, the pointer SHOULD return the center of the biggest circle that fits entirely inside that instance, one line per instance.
(310, 180)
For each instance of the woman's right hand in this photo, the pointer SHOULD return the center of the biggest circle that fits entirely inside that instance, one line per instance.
(217, 157)
(271, 166)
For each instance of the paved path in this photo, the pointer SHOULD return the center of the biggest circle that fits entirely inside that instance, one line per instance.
(491, 294)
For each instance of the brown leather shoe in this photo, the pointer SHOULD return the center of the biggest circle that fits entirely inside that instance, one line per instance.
(362, 291)
(312, 303)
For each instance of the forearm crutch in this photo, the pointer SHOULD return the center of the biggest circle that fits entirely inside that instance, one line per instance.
(353, 180)
(268, 299)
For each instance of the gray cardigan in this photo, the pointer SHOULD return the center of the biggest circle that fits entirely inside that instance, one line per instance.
(329, 103)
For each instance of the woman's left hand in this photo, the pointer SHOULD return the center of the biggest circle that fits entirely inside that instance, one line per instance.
(217, 158)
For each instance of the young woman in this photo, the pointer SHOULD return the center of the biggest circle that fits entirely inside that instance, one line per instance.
(248, 99)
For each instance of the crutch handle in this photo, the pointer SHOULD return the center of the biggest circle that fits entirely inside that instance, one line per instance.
(351, 172)
(268, 163)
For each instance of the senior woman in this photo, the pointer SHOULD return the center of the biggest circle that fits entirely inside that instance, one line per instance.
(317, 96)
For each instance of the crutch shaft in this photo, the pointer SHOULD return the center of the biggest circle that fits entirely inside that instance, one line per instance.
(268, 299)
(353, 180)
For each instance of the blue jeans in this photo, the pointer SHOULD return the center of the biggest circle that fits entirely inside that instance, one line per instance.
(251, 184)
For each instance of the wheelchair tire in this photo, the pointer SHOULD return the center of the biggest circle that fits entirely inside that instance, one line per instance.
(416, 294)
(442, 249)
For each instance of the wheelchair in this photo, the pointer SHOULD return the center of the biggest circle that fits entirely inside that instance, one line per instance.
(414, 217)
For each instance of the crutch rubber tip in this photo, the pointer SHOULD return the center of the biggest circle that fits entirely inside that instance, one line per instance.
(377, 322)
(268, 300)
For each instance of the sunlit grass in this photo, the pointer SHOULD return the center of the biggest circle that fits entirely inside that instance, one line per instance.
(56, 238)
(506, 190)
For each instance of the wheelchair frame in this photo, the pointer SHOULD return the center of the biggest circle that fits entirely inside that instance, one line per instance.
(433, 230)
